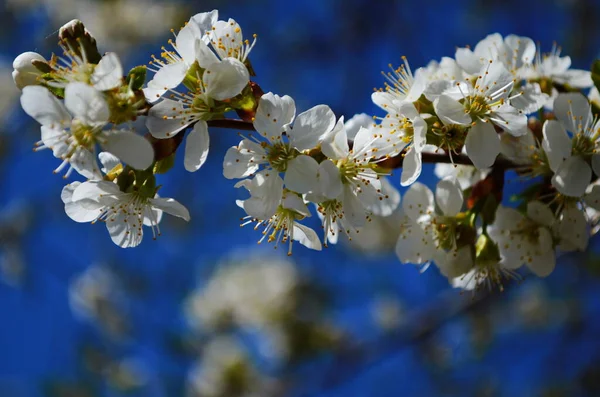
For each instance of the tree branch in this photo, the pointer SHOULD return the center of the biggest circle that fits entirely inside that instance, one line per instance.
(391, 163)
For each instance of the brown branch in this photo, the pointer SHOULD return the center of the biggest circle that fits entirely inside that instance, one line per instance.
(392, 162)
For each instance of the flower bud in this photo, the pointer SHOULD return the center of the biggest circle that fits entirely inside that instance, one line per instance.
(25, 73)
(79, 41)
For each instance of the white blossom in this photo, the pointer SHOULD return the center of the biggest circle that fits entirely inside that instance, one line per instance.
(72, 130)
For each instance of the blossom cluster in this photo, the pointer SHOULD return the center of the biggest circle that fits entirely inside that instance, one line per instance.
(502, 108)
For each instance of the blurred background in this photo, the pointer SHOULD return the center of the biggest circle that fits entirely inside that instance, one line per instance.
(206, 312)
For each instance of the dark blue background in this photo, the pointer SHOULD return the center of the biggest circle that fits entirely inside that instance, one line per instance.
(317, 51)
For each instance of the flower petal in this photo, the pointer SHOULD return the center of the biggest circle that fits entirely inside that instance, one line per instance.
(556, 143)
(306, 236)
(540, 213)
(450, 111)
(131, 148)
(163, 119)
(75, 210)
(86, 103)
(225, 79)
(44, 107)
(573, 110)
(330, 183)
(273, 115)
(196, 147)
(411, 167)
(171, 207)
(301, 174)
(482, 145)
(126, 230)
(168, 77)
(418, 201)
(108, 74)
(449, 196)
(572, 177)
(311, 126)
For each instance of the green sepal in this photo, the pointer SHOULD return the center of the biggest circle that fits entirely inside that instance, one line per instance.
(136, 78)
(126, 179)
(488, 210)
(164, 165)
(596, 73)
(59, 92)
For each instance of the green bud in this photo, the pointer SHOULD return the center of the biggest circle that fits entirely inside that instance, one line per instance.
(136, 78)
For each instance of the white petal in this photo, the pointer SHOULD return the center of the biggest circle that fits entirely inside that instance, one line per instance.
(186, 42)
(168, 77)
(449, 197)
(163, 119)
(522, 50)
(196, 147)
(450, 111)
(467, 60)
(301, 174)
(225, 79)
(205, 20)
(306, 236)
(411, 167)
(418, 201)
(86, 103)
(335, 143)
(531, 99)
(130, 148)
(510, 119)
(44, 107)
(572, 177)
(57, 140)
(94, 190)
(543, 257)
(311, 126)
(273, 115)
(494, 79)
(382, 99)
(482, 145)
(389, 199)
(108, 161)
(419, 134)
(330, 183)
(24, 72)
(507, 219)
(171, 207)
(573, 110)
(414, 246)
(75, 210)
(108, 74)
(573, 229)
(205, 55)
(125, 230)
(540, 213)
(577, 78)
(556, 143)
(242, 160)
(84, 162)
(592, 197)
(358, 120)
(354, 211)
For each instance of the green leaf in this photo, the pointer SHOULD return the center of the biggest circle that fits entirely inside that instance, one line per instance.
(136, 78)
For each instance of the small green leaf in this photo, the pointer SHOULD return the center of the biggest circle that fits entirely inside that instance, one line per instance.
(136, 78)
(596, 73)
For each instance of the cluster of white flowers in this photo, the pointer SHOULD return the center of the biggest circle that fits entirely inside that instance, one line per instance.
(500, 106)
